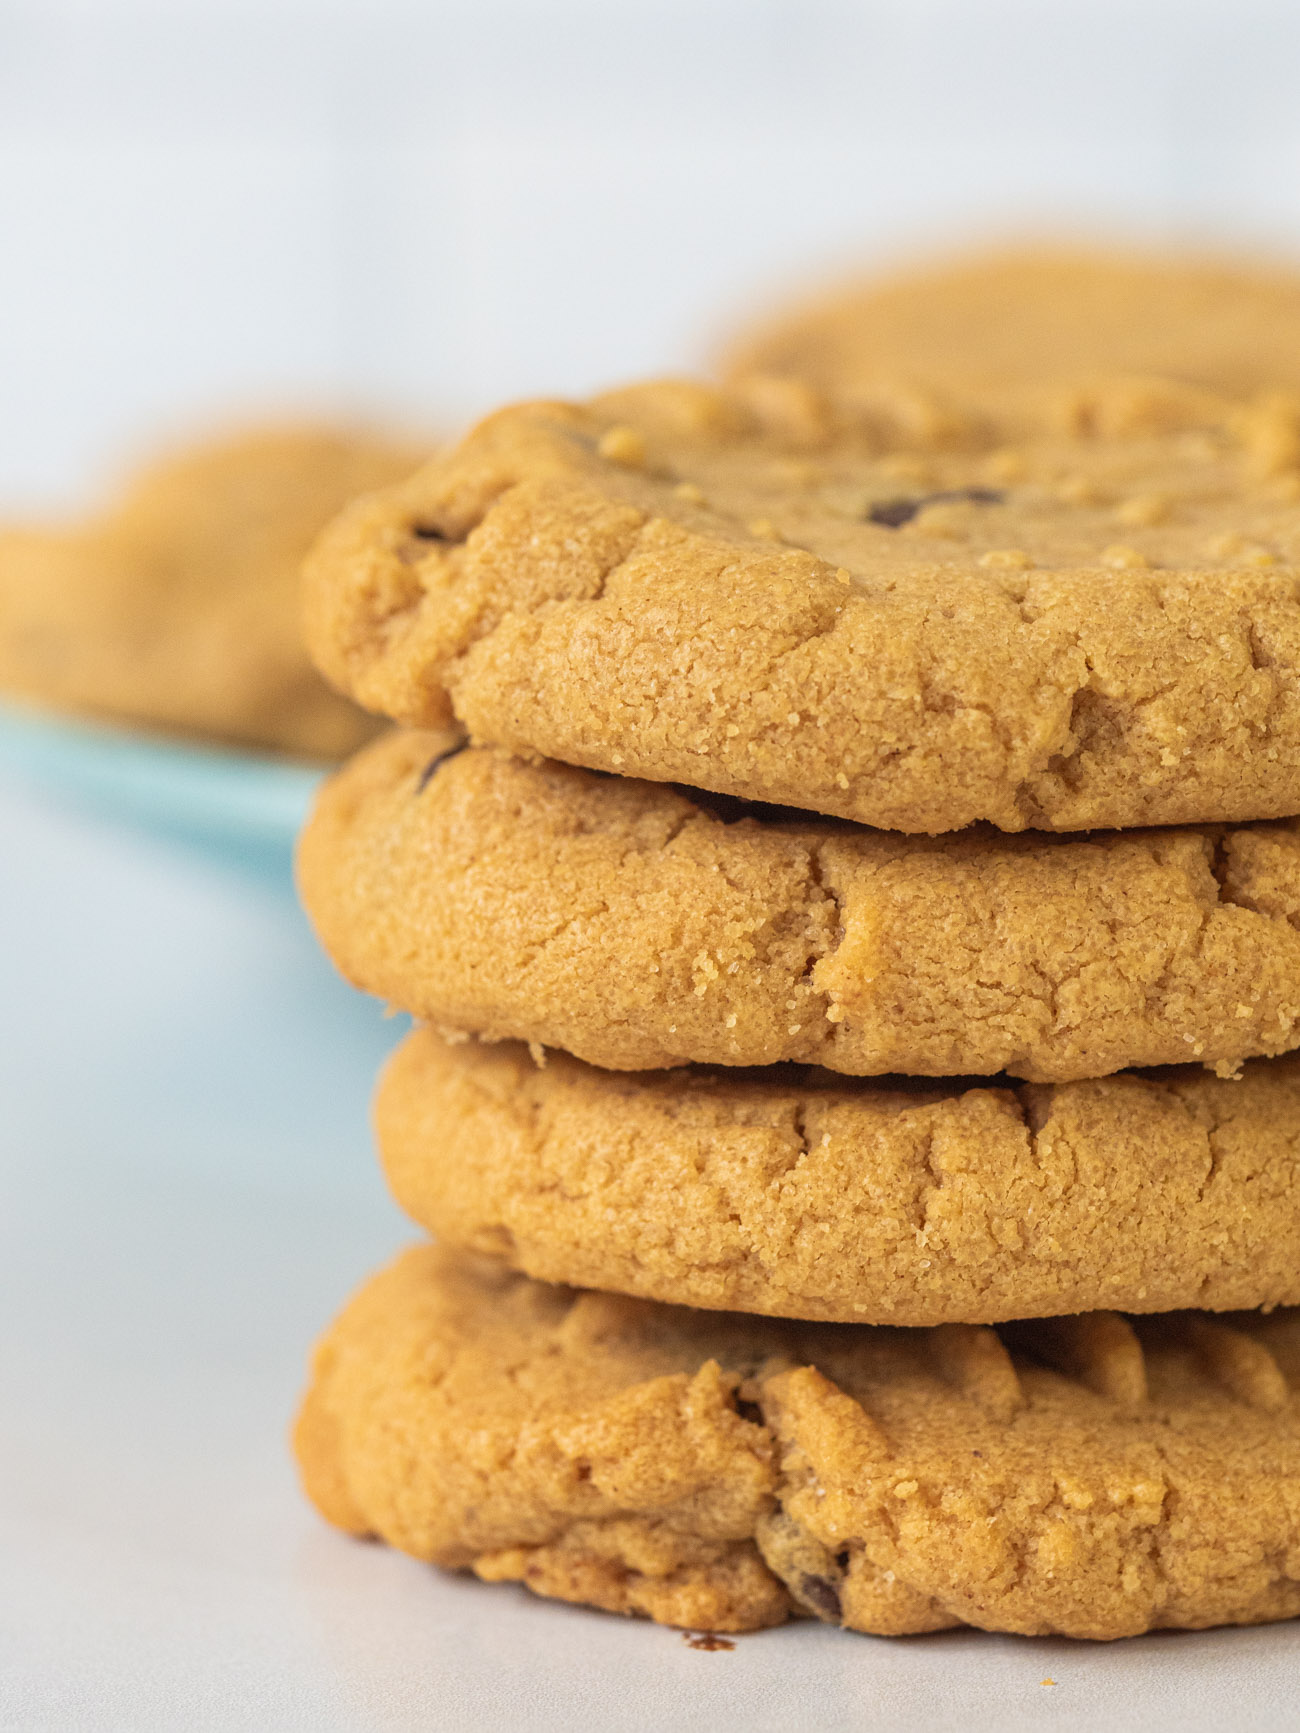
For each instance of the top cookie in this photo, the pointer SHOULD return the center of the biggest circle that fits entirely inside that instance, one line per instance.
(179, 608)
(996, 321)
(902, 614)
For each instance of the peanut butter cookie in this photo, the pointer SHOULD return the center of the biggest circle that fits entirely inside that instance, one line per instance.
(997, 321)
(900, 612)
(1087, 1477)
(637, 927)
(179, 610)
(791, 1192)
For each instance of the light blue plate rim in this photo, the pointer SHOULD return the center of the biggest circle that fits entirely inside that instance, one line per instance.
(241, 798)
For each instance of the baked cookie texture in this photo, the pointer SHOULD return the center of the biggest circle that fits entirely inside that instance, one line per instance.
(632, 925)
(903, 611)
(1088, 1477)
(179, 608)
(798, 1194)
(789, 1192)
(998, 321)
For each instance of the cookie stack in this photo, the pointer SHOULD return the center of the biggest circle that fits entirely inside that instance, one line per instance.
(854, 966)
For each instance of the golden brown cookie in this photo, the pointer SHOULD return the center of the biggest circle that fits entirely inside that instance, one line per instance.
(179, 608)
(630, 924)
(1000, 320)
(791, 1192)
(896, 614)
(1083, 1477)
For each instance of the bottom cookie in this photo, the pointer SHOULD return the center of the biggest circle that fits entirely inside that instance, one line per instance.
(1087, 1476)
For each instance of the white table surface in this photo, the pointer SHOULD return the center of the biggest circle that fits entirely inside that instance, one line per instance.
(186, 1195)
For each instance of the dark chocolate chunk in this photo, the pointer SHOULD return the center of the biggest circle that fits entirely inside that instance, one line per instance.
(432, 765)
(894, 513)
(821, 1593)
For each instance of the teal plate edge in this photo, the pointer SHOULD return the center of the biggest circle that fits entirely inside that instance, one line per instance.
(239, 801)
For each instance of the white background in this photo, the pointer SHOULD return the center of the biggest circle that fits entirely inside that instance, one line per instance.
(417, 210)
(425, 207)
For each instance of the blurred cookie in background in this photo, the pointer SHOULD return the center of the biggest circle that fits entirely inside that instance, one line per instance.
(177, 609)
(1001, 319)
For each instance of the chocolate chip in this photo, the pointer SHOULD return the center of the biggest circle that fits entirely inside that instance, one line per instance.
(433, 764)
(894, 513)
(429, 533)
(822, 1594)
